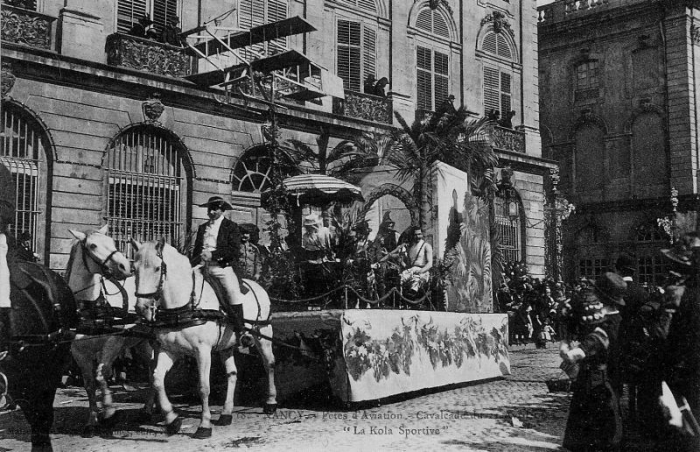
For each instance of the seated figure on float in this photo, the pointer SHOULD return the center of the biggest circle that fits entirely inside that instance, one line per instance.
(416, 259)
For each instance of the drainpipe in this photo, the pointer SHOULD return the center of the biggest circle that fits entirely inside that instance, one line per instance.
(522, 64)
(461, 56)
(695, 98)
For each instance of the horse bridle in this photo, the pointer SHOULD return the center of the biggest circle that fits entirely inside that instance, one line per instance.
(156, 296)
(104, 269)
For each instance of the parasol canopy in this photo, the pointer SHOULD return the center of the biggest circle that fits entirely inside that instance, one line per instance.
(319, 189)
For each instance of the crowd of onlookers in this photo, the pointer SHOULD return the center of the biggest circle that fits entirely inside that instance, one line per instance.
(621, 337)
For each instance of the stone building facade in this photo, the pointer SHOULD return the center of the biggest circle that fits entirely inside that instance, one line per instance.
(619, 113)
(101, 126)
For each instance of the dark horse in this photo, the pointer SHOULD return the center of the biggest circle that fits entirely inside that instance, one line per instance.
(35, 333)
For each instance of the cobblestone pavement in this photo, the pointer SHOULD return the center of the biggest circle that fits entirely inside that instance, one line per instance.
(516, 413)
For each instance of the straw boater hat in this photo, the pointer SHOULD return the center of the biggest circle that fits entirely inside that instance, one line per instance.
(217, 201)
(311, 221)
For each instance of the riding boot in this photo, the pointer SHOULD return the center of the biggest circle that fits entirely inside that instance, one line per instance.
(237, 321)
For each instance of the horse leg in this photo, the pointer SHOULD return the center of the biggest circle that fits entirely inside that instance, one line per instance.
(144, 352)
(203, 356)
(165, 362)
(86, 368)
(110, 351)
(226, 417)
(268, 359)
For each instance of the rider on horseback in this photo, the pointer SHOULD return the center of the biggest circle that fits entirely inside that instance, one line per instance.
(217, 247)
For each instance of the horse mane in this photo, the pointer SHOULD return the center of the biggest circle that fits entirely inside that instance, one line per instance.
(71, 259)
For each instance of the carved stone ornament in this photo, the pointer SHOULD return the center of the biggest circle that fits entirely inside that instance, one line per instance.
(7, 79)
(152, 108)
(25, 27)
(434, 4)
(499, 20)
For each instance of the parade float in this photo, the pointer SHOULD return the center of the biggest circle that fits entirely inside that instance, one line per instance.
(361, 350)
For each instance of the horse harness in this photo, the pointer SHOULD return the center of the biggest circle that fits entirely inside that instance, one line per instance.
(98, 317)
(190, 314)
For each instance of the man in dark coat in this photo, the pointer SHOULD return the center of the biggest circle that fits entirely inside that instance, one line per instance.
(171, 33)
(594, 422)
(139, 28)
(681, 356)
(217, 248)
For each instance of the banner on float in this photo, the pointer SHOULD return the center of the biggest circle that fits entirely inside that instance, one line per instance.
(393, 352)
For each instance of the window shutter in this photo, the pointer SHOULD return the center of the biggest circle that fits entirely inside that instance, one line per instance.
(349, 39)
(505, 93)
(370, 53)
(425, 21)
(440, 27)
(490, 44)
(276, 11)
(162, 10)
(367, 5)
(424, 95)
(503, 48)
(442, 70)
(128, 13)
(491, 89)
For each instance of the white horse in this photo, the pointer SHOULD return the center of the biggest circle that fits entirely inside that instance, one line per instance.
(93, 261)
(169, 288)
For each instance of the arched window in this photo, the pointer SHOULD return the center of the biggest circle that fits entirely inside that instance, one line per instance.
(23, 150)
(432, 59)
(498, 75)
(365, 5)
(507, 216)
(146, 187)
(250, 177)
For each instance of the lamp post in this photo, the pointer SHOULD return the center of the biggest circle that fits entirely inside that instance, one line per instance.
(556, 210)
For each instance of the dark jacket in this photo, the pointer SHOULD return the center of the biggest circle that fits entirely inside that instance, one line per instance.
(228, 244)
(7, 197)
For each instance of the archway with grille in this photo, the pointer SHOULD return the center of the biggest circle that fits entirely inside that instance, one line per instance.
(147, 187)
(24, 147)
(507, 215)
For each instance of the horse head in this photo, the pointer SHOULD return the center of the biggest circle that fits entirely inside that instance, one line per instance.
(100, 254)
(155, 286)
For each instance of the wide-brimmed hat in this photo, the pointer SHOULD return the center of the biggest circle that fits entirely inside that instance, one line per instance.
(145, 20)
(610, 287)
(217, 201)
(174, 19)
(311, 220)
(682, 251)
(589, 309)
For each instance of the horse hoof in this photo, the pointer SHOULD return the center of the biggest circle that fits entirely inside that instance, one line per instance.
(225, 419)
(144, 417)
(110, 422)
(270, 408)
(174, 426)
(89, 431)
(202, 433)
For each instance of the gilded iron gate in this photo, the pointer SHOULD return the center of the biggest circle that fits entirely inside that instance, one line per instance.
(145, 189)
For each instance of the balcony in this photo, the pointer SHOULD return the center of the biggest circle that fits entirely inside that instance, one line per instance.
(364, 106)
(26, 27)
(147, 55)
(505, 139)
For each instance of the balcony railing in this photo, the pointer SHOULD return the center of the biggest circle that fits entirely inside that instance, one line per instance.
(147, 55)
(506, 139)
(364, 106)
(23, 26)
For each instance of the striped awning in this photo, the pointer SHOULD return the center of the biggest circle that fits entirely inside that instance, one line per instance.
(319, 189)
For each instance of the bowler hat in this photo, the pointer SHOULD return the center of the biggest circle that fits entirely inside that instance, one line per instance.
(611, 287)
(217, 201)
